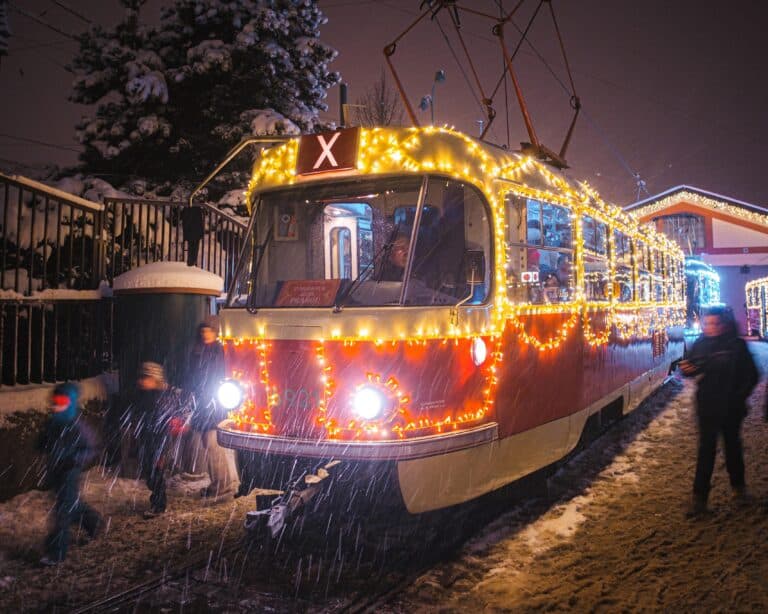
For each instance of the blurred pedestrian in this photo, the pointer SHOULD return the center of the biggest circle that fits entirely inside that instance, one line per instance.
(205, 371)
(727, 376)
(158, 414)
(69, 446)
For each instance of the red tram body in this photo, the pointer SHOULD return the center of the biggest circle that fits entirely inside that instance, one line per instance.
(521, 305)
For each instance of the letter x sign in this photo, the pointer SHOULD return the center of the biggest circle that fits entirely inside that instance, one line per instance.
(327, 151)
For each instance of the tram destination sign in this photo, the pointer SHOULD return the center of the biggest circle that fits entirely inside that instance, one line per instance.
(328, 151)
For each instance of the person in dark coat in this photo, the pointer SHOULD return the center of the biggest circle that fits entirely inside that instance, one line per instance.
(69, 446)
(192, 226)
(727, 376)
(157, 413)
(205, 371)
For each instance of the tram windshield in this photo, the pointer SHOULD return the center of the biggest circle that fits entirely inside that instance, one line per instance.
(352, 243)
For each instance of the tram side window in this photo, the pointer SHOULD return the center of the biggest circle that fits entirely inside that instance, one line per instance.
(539, 251)
(596, 270)
(643, 289)
(623, 286)
(657, 275)
(452, 256)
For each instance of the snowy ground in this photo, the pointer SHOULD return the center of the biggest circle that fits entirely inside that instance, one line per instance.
(610, 535)
(616, 538)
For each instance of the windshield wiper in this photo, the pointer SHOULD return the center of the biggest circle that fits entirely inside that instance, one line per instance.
(262, 247)
(385, 249)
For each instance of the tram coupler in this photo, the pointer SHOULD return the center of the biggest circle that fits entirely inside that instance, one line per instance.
(287, 506)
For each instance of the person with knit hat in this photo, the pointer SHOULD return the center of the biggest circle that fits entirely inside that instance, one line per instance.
(156, 409)
(69, 446)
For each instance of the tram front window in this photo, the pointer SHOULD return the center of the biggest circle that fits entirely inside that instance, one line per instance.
(351, 243)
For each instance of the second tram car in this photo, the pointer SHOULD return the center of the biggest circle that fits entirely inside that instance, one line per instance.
(418, 302)
(702, 290)
(757, 307)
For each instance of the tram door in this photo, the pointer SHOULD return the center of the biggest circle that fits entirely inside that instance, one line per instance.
(347, 240)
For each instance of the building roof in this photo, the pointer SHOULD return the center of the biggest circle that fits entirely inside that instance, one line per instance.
(701, 198)
(682, 189)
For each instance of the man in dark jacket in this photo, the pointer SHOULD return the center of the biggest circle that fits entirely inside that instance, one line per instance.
(69, 447)
(205, 371)
(728, 375)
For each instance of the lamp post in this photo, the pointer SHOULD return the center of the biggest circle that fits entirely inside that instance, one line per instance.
(428, 101)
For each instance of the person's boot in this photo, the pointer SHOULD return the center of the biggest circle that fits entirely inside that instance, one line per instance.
(153, 512)
(741, 495)
(698, 506)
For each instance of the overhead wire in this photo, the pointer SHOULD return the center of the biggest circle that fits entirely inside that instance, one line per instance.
(37, 142)
(40, 21)
(72, 11)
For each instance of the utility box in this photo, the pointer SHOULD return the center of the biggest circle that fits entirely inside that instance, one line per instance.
(157, 309)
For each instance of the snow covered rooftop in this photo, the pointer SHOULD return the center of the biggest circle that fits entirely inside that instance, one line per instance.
(174, 277)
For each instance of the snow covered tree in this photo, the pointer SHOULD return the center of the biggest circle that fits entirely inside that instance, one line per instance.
(172, 100)
(119, 72)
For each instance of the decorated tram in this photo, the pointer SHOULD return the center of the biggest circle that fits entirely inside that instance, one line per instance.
(757, 307)
(702, 284)
(417, 303)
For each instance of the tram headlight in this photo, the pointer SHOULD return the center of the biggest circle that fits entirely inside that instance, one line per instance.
(479, 351)
(368, 402)
(229, 394)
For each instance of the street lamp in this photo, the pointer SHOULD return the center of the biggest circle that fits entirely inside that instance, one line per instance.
(428, 101)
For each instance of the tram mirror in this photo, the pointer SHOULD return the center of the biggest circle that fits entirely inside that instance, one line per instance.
(474, 266)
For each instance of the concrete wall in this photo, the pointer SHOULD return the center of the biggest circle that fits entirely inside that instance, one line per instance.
(732, 282)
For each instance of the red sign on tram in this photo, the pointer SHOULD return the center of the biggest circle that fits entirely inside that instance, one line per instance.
(328, 151)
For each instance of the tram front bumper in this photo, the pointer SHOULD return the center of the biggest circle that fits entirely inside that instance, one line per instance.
(389, 450)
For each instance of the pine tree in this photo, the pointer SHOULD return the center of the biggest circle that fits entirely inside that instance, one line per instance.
(173, 99)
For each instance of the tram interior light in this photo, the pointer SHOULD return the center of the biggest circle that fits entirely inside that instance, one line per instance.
(368, 403)
(229, 395)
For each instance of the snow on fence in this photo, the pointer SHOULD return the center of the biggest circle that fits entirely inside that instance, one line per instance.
(58, 250)
(51, 239)
(48, 238)
(143, 231)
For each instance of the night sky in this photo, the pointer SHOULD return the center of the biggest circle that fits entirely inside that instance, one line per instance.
(673, 90)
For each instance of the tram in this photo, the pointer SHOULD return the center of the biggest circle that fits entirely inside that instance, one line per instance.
(757, 307)
(416, 302)
(702, 284)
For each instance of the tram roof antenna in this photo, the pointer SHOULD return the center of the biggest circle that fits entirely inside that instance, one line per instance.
(432, 9)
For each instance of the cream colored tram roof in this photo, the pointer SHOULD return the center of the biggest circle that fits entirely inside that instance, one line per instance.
(387, 151)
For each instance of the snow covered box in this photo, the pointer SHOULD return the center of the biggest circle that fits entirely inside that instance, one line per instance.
(157, 309)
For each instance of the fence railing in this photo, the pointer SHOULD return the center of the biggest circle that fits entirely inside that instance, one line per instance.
(52, 243)
(48, 238)
(143, 231)
(54, 340)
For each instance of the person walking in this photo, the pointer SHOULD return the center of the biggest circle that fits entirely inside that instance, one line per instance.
(727, 376)
(157, 412)
(204, 373)
(69, 446)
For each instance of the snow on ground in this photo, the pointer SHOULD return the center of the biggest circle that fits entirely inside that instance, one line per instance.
(612, 534)
(129, 549)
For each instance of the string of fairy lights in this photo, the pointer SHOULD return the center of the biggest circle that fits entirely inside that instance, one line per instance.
(436, 150)
(705, 202)
(757, 304)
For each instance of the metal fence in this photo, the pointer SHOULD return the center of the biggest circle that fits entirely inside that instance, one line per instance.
(48, 238)
(54, 340)
(53, 244)
(143, 231)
